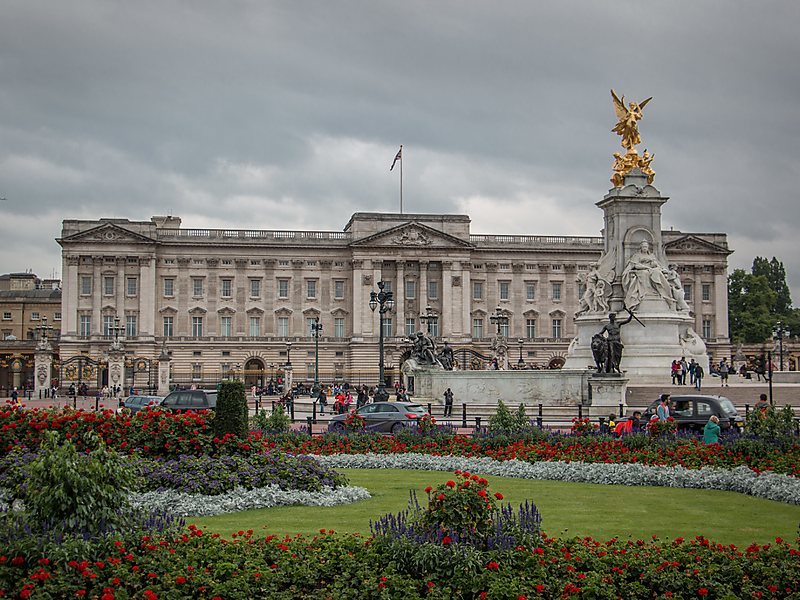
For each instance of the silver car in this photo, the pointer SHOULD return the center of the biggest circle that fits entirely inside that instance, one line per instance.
(384, 417)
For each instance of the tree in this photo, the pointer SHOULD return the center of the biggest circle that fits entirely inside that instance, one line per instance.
(776, 276)
(751, 301)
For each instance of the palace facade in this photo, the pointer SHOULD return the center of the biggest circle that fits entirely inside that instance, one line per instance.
(242, 302)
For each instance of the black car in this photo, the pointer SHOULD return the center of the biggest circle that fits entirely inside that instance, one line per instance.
(384, 417)
(693, 411)
(136, 403)
(191, 400)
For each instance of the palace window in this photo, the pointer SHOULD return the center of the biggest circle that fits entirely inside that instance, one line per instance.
(108, 323)
(283, 326)
(168, 324)
(132, 286)
(56, 316)
(197, 326)
(530, 328)
(477, 328)
(130, 326)
(411, 326)
(6, 316)
(477, 290)
(411, 289)
(35, 315)
(225, 326)
(197, 287)
(108, 286)
(505, 328)
(687, 292)
(706, 328)
(338, 289)
(86, 285)
(255, 288)
(311, 289)
(227, 288)
(706, 290)
(505, 286)
(255, 326)
(530, 291)
(85, 326)
(197, 372)
(387, 327)
(283, 288)
(433, 290)
(556, 290)
(338, 327)
(557, 328)
(169, 287)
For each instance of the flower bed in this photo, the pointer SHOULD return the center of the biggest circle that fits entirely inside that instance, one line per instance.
(771, 486)
(200, 565)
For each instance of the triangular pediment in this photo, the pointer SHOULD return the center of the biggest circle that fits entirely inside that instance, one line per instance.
(110, 233)
(412, 235)
(692, 244)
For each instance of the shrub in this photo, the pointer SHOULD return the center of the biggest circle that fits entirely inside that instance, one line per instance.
(502, 419)
(582, 426)
(355, 423)
(232, 416)
(426, 424)
(772, 423)
(77, 493)
(657, 428)
(277, 422)
(463, 513)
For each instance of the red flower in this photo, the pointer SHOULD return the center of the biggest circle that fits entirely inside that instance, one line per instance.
(482, 493)
(180, 580)
(540, 588)
(446, 540)
(493, 566)
(450, 483)
(440, 497)
(428, 490)
(702, 592)
(498, 495)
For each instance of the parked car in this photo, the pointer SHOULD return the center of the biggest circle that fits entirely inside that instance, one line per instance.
(384, 416)
(136, 403)
(191, 400)
(693, 411)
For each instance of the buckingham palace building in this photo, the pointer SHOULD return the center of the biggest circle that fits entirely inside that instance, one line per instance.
(225, 302)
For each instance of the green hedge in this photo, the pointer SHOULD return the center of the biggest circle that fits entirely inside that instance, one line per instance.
(231, 417)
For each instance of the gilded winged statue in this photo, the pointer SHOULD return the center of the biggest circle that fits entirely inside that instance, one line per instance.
(628, 117)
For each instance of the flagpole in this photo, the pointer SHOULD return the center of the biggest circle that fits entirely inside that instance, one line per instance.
(401, 179)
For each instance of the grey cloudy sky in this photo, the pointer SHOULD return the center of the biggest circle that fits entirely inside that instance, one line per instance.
(286, 115)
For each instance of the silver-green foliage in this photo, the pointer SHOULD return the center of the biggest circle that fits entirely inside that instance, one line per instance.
(77, 493)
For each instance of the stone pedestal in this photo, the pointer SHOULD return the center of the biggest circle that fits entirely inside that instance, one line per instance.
(288, 378)
(608, 392)
(163, 372)
(632, 216)
(116, 371)
(43, 368)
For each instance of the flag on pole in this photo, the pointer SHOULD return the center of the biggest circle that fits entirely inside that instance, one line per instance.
(397, 157)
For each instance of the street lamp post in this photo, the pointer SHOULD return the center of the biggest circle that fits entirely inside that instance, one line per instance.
(383, 299)
(316, 330)
(287, 386)
(499, 319)
(429, 318)
(520, 362)
(779, 331)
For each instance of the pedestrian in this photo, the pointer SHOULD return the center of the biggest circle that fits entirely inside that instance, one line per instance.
(684, 370)
(761, 406)
(675, 370)
(711, 430)
(692, 367)
(448, 403)
(663, 409)
(322, 400)
(698, 376)
(723, 373)
(15, 397)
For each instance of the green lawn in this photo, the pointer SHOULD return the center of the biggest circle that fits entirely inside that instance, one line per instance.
(568, 509)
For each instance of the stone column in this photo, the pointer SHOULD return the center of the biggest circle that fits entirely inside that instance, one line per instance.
(163, 371)
(97, 296)
(358, 297)
(399, 300)
(466, 299)
(43, 368)
(422, 292)
(116, 369)
(446, 315)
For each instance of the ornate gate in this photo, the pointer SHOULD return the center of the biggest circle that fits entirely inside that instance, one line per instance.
(141, 373)
(80, 370)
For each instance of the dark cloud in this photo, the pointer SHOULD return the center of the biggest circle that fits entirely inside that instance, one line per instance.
(259, 114)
